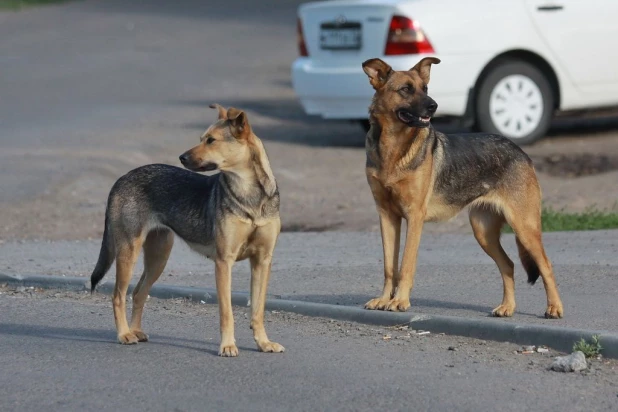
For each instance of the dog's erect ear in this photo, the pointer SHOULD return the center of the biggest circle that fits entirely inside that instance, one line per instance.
(220, 109)
(378, 72)
(424, 67)
(238, 122)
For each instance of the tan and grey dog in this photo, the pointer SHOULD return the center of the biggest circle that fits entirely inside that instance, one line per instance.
(419, 174)
(227, 217)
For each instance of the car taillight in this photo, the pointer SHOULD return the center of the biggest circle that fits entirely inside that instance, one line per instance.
(406, 37)
(300, 39)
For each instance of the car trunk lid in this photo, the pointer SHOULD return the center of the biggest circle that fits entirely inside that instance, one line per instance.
(345, 31)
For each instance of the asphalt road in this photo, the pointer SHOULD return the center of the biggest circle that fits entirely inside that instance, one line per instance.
(454, 275)
(91, 89)
(57, 352)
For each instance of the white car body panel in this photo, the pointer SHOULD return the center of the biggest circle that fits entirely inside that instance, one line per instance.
(584, 38)
(466, 36)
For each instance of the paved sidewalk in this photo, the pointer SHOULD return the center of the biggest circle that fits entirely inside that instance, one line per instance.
(454, 276)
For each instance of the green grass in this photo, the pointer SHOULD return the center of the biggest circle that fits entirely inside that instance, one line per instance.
(22, 4)
(589, 219)
(591, 349)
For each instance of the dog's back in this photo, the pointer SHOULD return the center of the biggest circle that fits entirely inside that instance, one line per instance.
(162, 195)
(470, 166)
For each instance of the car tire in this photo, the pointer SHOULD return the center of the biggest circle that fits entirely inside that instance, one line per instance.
(515, 99)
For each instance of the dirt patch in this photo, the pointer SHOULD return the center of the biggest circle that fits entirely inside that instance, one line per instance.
(575, 165)
(323, 187)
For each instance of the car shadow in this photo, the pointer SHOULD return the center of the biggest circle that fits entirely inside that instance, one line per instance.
(582, 125)
(287, 122)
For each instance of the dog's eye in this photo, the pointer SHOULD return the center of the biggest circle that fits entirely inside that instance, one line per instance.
(210, 140)
(406, 89)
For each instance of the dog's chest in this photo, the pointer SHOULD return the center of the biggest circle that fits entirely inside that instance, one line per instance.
(389, 192)
(208, 250)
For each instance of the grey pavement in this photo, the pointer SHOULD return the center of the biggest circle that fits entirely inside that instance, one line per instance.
(61, 355)
(454, 275)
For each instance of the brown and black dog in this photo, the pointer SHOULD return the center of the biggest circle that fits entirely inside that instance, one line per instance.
(419, 174)
(230, 216)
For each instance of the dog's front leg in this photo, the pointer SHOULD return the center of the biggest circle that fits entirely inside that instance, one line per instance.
(401, 300)
(223, 274)
(390, 227)
(260, 274)
(261, 261)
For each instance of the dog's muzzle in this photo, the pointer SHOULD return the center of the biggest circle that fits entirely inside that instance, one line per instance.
(187, 162)
(413, 120)
(208, 167)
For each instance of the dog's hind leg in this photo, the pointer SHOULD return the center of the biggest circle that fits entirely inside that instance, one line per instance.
(157, 248)
(126, 256)
(486, 225)
(526, 223)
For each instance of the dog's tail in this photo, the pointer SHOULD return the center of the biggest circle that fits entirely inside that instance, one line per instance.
(106, 257)
(532, 269)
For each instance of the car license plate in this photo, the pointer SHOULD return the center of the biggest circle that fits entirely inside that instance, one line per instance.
(340, 36)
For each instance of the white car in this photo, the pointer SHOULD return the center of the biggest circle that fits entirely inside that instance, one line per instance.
(507, 65)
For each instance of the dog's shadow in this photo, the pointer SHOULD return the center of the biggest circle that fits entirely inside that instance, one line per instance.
(418, 304)
(107, 337)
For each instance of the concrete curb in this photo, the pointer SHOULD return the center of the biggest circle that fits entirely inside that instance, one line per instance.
(558, 338)
(198, 295)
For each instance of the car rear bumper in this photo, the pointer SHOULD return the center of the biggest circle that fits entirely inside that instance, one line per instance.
(331, 92)
(345, 92)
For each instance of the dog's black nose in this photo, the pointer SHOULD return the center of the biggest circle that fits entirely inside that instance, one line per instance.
(183, 158)
(432, 107)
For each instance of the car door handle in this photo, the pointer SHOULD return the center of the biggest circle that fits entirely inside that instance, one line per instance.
(552, 7)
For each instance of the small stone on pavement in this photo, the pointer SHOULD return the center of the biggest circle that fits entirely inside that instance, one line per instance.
(574, 362)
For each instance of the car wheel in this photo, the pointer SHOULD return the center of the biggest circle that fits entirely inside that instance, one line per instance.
(515, 100)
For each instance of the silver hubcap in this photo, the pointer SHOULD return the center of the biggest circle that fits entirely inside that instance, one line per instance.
(516, 106)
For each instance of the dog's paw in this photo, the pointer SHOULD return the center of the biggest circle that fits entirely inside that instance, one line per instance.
(228, 351)
(554, 311)
(141, 335)
(272, 347)
(398, 305)
(127, 339)
(376, 304)
(503, 311)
